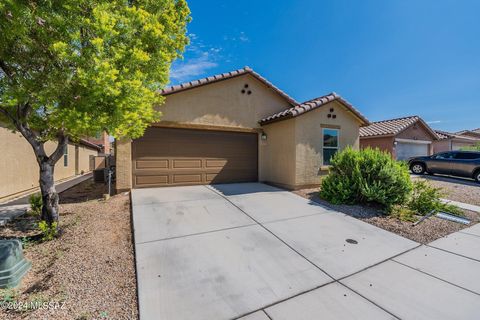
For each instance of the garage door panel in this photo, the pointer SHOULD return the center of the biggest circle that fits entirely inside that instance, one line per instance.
(151, 180)
(187, 164)
(167, 156)
(405, 150)
(151, 164)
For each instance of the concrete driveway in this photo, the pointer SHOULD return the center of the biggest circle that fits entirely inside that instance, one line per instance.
(254, 252)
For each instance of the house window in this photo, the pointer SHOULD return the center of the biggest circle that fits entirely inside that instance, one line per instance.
(330, 144)
(65, 156)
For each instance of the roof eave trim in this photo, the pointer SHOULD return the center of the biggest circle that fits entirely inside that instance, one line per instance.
(227, 76)
(364, 121)
(388, 135)
(90, 144)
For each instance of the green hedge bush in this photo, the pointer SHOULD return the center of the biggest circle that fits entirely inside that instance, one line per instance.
(426, 198)
(368, 176)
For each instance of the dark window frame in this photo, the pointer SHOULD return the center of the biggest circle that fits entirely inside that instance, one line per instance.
(327, 149)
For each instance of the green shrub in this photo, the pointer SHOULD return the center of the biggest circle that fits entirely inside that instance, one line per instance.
(49, 231)
(368, 176)
(403, 213)
(426, 198)
(35, 201)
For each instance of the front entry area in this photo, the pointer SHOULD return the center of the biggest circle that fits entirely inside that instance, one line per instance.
(171, 156)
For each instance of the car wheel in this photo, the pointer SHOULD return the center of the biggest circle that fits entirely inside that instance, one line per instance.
(417, 168)
(477, 176)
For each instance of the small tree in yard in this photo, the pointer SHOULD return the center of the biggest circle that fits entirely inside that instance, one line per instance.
(72, 68)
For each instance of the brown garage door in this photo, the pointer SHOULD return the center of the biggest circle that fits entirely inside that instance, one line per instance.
(167, 156)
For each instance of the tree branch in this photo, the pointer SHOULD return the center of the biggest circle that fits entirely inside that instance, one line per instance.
(27, 133)
(6, 69)
(59, 151)
(6, 113)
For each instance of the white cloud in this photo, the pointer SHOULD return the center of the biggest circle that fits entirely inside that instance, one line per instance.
(198, 58)
(186, 70)
(434, 121)
(243, 37)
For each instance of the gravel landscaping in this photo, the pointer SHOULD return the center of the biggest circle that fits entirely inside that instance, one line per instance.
(89, 269)
(456, 189)
(425, 232)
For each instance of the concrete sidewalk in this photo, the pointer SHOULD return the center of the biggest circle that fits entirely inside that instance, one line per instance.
(17, 207)
(463, 205)
(254, 252)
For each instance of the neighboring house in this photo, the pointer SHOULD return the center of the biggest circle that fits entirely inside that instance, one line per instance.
(452, 141)
(102, 140)
(19, 170)
(237, 127)
(403, 137)
(475, 134)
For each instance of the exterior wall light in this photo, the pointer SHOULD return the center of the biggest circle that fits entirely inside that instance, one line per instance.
(263, 136)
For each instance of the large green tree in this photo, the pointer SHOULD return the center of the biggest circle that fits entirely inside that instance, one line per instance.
(72, 68)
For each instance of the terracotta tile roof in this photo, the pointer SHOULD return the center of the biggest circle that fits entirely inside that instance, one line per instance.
(392, 127)
(442, 135)
(225, 76)
(448, 135)
(475, 133)
(311, 105)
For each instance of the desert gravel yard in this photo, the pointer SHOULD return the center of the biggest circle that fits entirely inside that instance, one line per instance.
(457, 189)
(89, 269)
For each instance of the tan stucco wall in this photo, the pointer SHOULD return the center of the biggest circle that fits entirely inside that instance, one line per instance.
(291, 156)
(277, 154)
(309, 140)
(223, 104)
(19, 170)
(450, 144)
(220, 104)
(85, 158)
(415, 132)
(442, 145)
(382, 143)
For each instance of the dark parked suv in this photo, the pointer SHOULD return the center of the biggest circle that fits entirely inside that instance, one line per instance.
(454, 163)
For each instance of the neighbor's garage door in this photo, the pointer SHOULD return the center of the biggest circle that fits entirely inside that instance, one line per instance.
(405, 150)
(167, 156)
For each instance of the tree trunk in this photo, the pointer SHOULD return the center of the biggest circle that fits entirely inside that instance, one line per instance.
(49, 193)
(46, 162)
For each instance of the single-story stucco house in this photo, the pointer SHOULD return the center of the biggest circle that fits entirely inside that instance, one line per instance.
(19, 170)
(452, 141)
(237, 127)
(402, 137)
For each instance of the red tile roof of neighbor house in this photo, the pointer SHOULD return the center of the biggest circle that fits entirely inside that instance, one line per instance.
(393, 127)
(448, 135)
(224, 76)
(474, 133)
(89, 144)
(311, 105)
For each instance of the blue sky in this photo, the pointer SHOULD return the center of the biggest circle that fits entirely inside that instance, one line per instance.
(389, 58)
